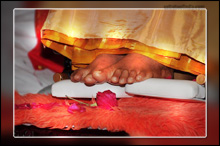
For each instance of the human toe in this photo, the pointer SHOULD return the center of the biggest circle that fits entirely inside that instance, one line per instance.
(76, 75)
(132, 76)
(99, 76)
(89, 80)
(116, 76)
(123, 77)
(143, 76)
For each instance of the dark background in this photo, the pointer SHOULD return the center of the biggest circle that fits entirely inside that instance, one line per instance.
(212, 71)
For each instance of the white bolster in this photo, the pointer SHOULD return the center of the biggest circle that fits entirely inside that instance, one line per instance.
(167, 88)
(80, 90)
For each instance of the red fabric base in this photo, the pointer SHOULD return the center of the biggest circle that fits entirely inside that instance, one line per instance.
(138, 116)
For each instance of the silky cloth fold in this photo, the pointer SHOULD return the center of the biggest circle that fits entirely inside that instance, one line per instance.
(181, 31)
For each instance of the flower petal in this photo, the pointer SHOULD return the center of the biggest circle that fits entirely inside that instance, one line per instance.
(106, 100)
(75, 107)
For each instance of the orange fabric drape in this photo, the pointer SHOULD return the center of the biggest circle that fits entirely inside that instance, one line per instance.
(175, 38)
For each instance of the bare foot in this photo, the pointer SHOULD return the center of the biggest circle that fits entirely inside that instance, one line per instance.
(102, 61)
(132, 68)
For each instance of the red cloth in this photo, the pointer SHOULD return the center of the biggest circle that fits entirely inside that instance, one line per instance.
(44, 58)
(138, 116)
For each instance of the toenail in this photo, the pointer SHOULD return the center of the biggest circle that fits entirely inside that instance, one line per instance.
(114, 79)
(122, 81)
(88, 79)
(138, 78)
(76, 77)
(97, 73)
(130, 79)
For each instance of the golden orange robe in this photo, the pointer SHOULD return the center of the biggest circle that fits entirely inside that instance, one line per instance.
(174, 38)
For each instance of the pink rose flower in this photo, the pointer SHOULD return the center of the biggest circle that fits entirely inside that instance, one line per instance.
(106, 100)
(75, 107)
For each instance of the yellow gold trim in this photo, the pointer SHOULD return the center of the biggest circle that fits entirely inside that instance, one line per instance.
(83, 51)
(105, 43)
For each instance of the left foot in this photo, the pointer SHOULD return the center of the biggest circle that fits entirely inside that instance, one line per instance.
(85, 74)
(132, 68)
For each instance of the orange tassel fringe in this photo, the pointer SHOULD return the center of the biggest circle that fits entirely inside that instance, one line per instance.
(138, 116)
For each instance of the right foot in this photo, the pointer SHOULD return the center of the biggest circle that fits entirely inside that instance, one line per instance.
(132, 68)
(85, 74)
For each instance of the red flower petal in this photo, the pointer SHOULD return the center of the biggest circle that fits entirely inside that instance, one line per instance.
(106, 100)
(75, 107)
